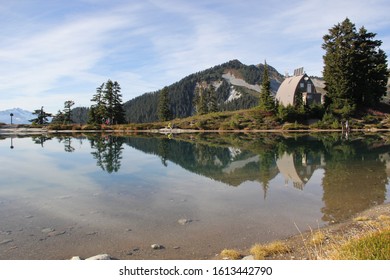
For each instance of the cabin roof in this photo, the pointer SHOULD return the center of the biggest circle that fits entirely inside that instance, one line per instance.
(286, 91)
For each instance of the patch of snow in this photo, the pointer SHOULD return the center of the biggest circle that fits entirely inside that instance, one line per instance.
(234, 94)
(234, 152)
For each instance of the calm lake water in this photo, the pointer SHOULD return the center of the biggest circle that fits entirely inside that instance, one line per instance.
(195, 194)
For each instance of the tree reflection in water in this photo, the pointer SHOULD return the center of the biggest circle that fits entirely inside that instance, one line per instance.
(355, 171)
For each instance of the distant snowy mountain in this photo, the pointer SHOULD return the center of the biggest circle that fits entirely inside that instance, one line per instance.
(20, 116)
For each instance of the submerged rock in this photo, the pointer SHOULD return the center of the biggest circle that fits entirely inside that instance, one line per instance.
(184, 221)
(157, 246)
(56, 233)
(47, 230)
(5, 241)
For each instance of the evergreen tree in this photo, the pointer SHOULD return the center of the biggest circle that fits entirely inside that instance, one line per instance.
(212, 102)
(67, 111)
(97, 111)
(355, 69)
(164, 113)
(108, 107)
(267, 100)
(42, 117)
(119, 112)
(371, 69)
(109, 100)
(113, 98)
(59, 118)
(201, 100)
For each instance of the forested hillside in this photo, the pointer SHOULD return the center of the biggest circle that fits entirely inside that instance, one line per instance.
(236, 86)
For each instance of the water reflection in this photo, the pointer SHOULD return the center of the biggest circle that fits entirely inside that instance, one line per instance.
(107, 152)
(40, 139)
(355, 172)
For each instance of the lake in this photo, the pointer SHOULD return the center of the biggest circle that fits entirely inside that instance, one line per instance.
(195, 194)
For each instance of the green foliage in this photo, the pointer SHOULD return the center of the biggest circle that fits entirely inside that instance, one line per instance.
(108, 106)
(212, 101)
(267, 101)
(164, 113)
(67, 111)
(205, 100)
(355, 69)
(42, 117)
(375, 246)
(80, 115)
(287, 113)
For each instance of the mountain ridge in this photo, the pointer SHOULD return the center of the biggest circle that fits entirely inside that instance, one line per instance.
(20, 116)
(237, 86)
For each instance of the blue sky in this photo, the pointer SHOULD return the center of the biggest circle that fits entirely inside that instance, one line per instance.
(53, 51)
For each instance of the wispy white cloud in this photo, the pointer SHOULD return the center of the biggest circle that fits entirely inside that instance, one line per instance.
(64, 50)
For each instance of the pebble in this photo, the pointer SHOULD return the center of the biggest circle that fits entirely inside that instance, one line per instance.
(100, 257)
(184, 221)
(47, 230)
(56, 233)
(157, 246)
(248, 258)
(5, 241)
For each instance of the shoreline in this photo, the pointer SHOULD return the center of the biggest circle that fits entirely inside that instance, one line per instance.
(37, 131)
(302, 245)
(323, 243)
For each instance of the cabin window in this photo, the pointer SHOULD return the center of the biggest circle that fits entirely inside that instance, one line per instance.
(308, 88)
(302, 85)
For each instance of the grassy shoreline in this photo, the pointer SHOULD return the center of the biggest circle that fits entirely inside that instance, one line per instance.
(249, 120)
(366, 236)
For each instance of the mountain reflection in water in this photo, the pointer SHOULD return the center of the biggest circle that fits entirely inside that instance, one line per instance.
(355, 172)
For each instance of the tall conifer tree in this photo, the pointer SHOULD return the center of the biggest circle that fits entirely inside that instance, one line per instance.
(164, 113)
(267, 100)
(355, 69)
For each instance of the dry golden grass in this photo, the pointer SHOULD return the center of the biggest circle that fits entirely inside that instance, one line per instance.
(361, 219)
(317, 238)
(260, 251)
(231, 254)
